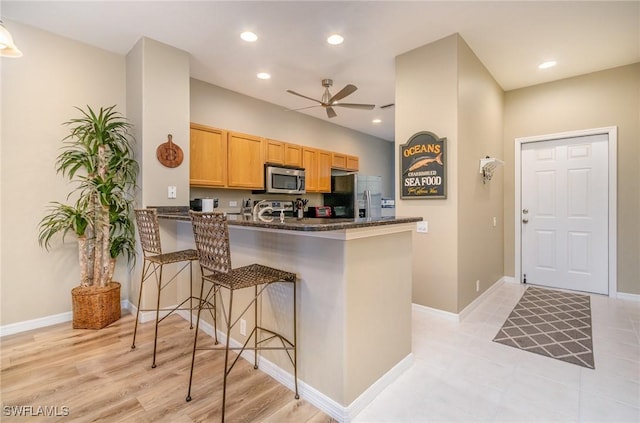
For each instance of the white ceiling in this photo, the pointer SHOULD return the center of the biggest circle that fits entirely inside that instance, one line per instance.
(510, 38)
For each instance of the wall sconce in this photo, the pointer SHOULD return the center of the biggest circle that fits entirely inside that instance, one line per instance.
(7, 47)
(487, 166)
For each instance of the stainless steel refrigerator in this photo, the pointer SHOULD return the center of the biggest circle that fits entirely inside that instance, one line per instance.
(355, 196)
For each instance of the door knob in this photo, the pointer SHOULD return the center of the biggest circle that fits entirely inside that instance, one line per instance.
(525, 220)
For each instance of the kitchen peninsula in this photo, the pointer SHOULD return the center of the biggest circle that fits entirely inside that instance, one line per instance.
(354, 300)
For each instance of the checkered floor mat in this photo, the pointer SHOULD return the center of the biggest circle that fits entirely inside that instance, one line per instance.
(551, 323)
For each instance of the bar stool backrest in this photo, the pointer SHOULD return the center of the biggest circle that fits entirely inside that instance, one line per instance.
(211, 234)
(148, 230)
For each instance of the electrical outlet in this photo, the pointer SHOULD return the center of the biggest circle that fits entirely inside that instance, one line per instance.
(172, 191)
(243, 327)
(233, 204)
(478, 285)
(422, 227)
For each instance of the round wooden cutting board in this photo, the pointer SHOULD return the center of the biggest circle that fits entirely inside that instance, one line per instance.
(169, 154)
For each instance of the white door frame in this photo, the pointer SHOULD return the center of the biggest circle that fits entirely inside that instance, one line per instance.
(612, 133)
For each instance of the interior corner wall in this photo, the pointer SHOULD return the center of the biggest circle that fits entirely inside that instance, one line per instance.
(607, 98)
(480, 241)
(426, 100)
(39, 93)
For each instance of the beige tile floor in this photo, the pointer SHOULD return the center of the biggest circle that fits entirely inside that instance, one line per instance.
(460, 375)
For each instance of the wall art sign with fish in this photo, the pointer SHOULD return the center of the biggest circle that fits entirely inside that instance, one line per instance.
(423, 167)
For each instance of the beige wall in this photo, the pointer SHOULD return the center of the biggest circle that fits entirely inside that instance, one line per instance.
(443, 88)
(426, 100)
(480, 245)
(39, 92)
(607, 98)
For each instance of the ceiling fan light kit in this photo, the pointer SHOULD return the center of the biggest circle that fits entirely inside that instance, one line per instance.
(329, 101)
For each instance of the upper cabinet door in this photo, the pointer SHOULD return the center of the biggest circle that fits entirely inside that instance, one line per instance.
(292, 155)
(353, 163)
(246, 161)
(310, 164)
(338, 161)
(274, 151)
(207, 156)
(324, 171)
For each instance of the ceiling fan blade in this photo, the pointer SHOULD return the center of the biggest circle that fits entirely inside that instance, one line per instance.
(349, 89)
(331, 113)
(304, 96)
(356, 106)
(303, 108)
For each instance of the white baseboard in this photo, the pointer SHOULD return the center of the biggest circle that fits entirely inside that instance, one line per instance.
(509, 279)
(458, 317)
(13, 328)
(308, 392)
(475, 303)
(378, 386)
(435, 311)
(628, 297)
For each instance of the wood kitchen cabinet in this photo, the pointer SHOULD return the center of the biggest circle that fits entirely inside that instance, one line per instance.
(338, 161)
(282, 153)
(324, 171)
(292, 155)
(310, 164)
(353, 163)
(227, 159)
(208, 156)
(274, 151)
(245, 161)
(317, 166)
(345, 162)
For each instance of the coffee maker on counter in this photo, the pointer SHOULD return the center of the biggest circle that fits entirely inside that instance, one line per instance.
(203, 204)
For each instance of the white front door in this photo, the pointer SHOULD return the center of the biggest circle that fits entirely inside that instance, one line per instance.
(564, 216)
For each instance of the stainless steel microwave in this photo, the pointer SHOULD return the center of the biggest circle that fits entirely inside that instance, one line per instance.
(283, 180)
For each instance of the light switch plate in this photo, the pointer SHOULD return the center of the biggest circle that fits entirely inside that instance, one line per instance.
(172, 191)
(422, 227)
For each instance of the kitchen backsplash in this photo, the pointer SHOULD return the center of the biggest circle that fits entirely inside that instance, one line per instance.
(227, 196)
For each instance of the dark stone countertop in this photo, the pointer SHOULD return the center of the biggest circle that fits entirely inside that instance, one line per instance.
(293, 223)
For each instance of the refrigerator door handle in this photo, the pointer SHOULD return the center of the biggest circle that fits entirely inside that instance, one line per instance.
(367, 199)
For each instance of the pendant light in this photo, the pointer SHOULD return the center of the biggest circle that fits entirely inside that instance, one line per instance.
(7, 47)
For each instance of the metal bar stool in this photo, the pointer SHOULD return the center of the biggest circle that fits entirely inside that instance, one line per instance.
(154, 261)
(211, 235)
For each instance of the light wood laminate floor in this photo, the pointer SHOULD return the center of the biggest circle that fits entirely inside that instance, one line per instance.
(86, 375)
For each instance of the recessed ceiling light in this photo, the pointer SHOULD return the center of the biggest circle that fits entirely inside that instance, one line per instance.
(264, 75)
(547, 65)
(249, 36)
(335, 39)
(377, 121)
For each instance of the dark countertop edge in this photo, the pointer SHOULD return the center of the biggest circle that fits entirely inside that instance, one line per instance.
(310, 226)
(307, 224)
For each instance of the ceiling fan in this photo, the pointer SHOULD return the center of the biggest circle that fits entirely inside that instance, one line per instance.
(329, 101)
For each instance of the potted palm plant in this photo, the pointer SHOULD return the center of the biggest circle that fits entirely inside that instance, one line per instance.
(97, 156)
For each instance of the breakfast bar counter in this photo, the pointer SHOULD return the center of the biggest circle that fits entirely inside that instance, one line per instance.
(354, 300)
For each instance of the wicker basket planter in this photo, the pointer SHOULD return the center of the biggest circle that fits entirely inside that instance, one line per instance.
(95, 307)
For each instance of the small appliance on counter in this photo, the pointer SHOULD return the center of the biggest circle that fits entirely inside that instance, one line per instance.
(319, 211)
(203, 204)
(388, 207)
